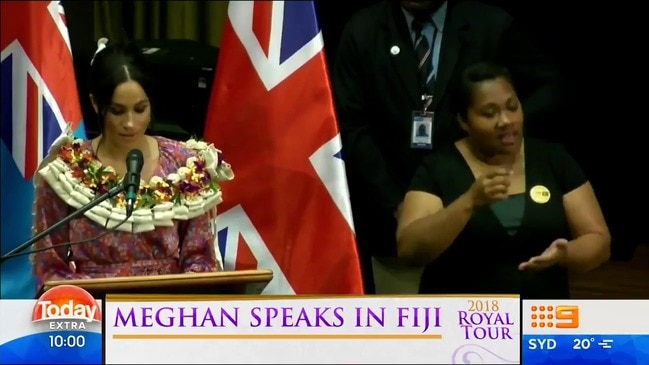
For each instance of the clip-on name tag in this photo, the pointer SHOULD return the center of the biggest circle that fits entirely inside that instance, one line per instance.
(421, 136)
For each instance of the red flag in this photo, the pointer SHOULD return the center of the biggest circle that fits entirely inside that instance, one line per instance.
(271, 112)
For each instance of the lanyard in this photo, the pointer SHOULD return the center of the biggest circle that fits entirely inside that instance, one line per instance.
(427, 100)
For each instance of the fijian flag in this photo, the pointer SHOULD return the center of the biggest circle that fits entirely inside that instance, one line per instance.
(39, 98)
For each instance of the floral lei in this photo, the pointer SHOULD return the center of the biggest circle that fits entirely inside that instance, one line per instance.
(77, 176)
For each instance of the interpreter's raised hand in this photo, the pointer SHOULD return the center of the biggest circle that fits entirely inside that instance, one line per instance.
(491, 187)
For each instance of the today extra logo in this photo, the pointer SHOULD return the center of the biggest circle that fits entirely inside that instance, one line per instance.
(67, 307)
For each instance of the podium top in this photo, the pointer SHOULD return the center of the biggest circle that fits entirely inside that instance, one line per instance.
(216, 279)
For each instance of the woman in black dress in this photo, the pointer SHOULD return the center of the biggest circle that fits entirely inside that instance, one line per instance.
(497, 213)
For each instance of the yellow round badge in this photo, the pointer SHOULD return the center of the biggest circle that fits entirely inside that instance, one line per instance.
(540, 194)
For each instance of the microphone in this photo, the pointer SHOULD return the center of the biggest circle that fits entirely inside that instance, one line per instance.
(130, 185)
(134, 164)
(18, 251)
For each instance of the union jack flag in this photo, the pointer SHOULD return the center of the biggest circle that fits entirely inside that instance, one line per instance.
(271, 112)
(39, 99)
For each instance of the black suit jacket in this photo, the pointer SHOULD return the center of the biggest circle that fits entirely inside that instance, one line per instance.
(376, 91)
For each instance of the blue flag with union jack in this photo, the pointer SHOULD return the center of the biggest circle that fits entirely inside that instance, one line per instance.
(39, 100)
(272, 113)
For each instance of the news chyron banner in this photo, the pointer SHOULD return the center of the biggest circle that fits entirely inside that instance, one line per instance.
(312, 330)
(572, 332)
(62, 327)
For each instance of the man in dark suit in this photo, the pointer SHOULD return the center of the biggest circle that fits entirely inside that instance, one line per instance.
(395, 62)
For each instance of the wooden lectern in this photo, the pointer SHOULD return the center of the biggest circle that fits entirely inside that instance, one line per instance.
(224, 282)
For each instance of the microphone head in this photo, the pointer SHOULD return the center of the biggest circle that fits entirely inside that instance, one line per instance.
(135, 160)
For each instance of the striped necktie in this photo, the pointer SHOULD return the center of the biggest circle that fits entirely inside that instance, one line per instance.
(424, 56)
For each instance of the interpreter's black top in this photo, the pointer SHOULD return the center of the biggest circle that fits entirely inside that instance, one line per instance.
(485, 256)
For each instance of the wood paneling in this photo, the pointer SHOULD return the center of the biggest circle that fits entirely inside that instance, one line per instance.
(616, 280)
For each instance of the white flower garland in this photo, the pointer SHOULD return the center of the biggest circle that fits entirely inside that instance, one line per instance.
(59, 175)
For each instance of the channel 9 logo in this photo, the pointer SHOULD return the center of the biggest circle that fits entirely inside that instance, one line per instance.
(561, 316)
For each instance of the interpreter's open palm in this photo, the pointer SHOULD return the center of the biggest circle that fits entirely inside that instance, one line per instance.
(491, 187)
(555, 253)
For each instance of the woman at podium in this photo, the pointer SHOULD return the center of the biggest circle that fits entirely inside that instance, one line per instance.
(496, 213)
(170, 228)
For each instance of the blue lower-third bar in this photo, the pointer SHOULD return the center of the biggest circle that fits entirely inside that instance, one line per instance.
(586, 349)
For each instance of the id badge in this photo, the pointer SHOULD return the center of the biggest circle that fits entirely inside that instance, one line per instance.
(421, 136)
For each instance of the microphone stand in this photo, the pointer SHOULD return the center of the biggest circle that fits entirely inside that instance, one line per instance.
(93, 203)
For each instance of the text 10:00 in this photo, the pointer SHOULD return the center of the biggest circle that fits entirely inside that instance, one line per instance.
(69, 341)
